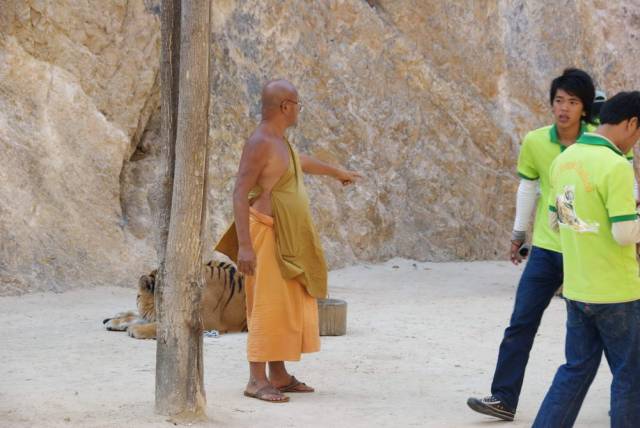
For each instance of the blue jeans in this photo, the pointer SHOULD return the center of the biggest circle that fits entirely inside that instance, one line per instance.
(592, 329)
(541, 278)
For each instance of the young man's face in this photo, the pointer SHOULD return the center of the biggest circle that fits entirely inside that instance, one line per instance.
(567, 109)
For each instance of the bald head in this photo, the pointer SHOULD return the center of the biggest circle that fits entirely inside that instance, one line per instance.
(275, 92)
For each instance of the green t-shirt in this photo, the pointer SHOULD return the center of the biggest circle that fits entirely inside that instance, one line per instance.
(591, 188)
(539, 148)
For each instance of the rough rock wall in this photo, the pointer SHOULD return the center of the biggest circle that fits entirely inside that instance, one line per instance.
(78, 82)
(428, 98)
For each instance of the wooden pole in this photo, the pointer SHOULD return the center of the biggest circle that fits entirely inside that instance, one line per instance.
(179, 366)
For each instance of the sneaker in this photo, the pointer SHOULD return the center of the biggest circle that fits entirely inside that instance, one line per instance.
(491, 406)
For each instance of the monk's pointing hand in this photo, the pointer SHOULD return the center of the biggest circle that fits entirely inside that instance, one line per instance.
(348, 177)
(246, 261)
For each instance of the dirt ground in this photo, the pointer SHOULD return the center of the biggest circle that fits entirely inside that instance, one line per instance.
(422, 337)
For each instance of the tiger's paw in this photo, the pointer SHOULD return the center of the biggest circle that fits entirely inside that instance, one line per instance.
(142, 331)
(121, 321)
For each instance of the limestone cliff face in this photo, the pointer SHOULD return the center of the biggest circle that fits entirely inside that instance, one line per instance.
(78, 82)
(428, 99)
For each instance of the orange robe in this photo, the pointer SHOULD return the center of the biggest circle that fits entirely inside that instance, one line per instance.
(282, 317)
(282, 312)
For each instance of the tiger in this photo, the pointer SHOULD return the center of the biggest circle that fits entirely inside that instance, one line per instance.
(223, 304)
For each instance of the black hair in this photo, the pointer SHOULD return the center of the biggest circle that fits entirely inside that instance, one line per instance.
(579, 84)
(620, 107)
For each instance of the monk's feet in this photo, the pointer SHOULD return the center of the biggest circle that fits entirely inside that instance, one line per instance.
(265, 391)
(292, 385)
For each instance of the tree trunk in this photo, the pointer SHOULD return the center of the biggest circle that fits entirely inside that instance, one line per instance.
(169, 72)
(179, 368)
(161, 197)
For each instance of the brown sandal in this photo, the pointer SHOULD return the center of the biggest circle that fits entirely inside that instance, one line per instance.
(266, 390)
(294, 386)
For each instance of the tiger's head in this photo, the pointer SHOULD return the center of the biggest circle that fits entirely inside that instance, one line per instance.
(145, 300)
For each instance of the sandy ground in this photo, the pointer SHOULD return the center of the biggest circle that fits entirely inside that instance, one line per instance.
(422, 337)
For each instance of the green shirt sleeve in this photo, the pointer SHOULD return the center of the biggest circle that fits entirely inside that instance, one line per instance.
(618, 193)
(526, 166)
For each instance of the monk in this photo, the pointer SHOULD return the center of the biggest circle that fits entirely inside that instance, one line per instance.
(274, 244)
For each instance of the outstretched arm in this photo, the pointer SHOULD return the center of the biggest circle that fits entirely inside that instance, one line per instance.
(311, 165)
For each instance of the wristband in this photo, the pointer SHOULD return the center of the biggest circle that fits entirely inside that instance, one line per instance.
(518, 235)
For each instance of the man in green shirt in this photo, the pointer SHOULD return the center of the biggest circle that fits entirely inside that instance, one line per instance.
(571, 96)
(591, 202)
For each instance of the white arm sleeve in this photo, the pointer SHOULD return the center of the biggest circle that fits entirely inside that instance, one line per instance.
(525, 203)
(626, 232)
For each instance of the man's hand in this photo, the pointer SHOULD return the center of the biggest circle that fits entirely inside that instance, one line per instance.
(348, 177)
(246, 261)
(516, 258)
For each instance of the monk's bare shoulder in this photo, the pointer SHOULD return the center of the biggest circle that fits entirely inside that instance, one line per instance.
(255, 155)
(259, 143)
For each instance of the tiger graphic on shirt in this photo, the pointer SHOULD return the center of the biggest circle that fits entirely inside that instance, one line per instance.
(567, 216)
